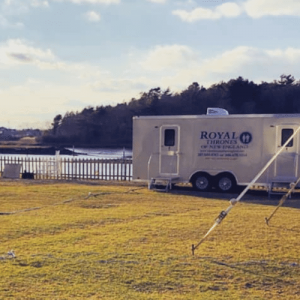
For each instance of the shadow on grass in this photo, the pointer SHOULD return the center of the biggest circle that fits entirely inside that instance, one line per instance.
(252, 196)
(264, 269)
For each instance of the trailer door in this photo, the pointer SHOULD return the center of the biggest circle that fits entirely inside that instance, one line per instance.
(169, 150)
(286, 164)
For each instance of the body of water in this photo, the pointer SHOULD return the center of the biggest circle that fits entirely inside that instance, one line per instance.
(102, 153)
(85, 153)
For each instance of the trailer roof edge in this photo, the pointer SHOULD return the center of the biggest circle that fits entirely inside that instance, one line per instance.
(219, 116)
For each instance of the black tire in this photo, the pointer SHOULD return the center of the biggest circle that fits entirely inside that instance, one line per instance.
(201, 182)
(225, 183)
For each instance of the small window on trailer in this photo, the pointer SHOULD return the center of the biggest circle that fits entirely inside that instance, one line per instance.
(285, 135)
(169, 137)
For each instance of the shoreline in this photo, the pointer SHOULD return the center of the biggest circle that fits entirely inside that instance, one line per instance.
(35, 150)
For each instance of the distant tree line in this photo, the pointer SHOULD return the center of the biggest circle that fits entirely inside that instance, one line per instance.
(111, 126)
(7, 134)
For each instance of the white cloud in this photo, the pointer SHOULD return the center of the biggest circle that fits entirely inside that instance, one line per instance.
(92, 16)
(253, 8)
(21, 6)
(39, 3)
(231, 60)
(9, 8)
(195, 15)
(15, 7)
(16, 52)
(34, 102)
(288, 56)
(4, 23)
(158, 1)
(177, 66)
(91, 1)
(34, 98)
(186, 2)
(166, 57)
(227, 10)
(174, 66)
(249, 62)
(260, 8)
(116, 85)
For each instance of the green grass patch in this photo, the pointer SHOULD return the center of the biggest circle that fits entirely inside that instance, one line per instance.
(130, 243)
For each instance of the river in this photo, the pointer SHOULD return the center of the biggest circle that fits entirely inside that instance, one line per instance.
(102, 153)
(88, 153)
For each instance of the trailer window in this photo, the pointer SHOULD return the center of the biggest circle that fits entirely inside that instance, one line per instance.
(285, 135)
(169, 137)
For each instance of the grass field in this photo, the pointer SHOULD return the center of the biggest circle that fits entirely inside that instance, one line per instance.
(125, 242)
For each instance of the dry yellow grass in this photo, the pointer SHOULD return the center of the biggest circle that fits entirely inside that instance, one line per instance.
(25, 141)
(131, 243)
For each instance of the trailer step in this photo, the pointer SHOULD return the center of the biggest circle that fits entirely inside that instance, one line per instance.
(279, 188)
(160, 184)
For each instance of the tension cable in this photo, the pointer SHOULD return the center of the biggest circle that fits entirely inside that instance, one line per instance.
(224, 213)
(283, 199)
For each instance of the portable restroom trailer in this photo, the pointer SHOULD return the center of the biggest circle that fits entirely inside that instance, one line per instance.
(215, 150)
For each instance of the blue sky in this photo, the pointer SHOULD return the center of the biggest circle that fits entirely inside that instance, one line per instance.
(64, 55)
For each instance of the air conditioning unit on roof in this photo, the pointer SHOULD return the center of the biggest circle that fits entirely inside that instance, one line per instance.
(215, 111)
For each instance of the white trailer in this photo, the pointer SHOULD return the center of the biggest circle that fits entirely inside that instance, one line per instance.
(216, 151)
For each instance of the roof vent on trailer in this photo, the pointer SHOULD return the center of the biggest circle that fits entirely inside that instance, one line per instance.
(215, 111)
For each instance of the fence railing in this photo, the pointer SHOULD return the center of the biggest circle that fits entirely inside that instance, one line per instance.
(58, 167)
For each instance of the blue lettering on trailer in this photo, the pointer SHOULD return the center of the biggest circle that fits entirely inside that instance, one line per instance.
(224, 144)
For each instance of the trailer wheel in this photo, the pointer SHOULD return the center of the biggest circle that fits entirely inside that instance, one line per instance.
(201, 182)
(225, 183)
